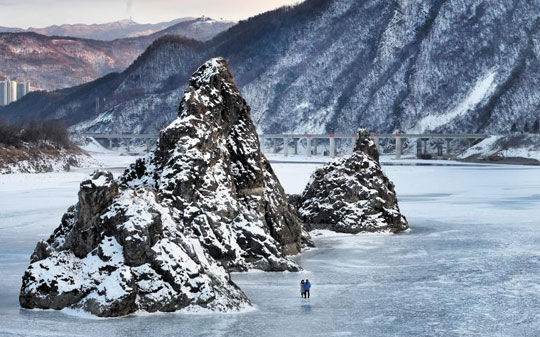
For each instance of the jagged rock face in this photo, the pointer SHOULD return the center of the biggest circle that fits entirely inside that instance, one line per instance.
(164, 236)
(119, 251)
(209, 166)
(352, 194)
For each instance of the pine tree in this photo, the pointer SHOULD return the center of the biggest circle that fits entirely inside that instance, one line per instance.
(536, 126)
(514, 128)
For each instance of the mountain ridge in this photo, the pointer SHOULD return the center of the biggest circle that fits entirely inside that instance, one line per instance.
(441, 66)
(60, 61)
(110, 31)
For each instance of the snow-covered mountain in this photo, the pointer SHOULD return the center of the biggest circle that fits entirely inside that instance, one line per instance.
(334, 65)
(196, 28)
(200, 29)
(107, 31)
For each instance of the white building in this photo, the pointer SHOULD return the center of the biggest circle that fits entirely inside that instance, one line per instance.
(11, 91)
(3, 93)
(22, 89)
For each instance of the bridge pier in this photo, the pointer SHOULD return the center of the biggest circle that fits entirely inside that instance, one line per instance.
(128, 144)
(332, 146)
(399, 147)
(439, 150)
(308, 146)
(295, 144)
(110, 144)
(315, 142)
(377, 143)
(286, 146)
(447, 140)
(147, 145)
(275, 145)
(424, 146)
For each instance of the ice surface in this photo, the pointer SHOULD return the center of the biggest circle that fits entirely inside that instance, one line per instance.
(470, 266)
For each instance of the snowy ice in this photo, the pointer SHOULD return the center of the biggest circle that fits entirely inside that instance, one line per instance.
(469, 266)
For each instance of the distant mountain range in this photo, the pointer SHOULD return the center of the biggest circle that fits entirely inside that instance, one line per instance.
(195, 28)
(336, 65)
(58, 62)
(10, 30)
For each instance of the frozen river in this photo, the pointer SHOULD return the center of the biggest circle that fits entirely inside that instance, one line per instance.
(469, 267)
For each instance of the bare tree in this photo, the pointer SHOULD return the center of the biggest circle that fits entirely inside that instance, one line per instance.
(32, 132)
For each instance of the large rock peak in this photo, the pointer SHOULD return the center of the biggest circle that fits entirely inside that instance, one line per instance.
(352, 194)
(164, 236)
(366, 145)
(209, 165)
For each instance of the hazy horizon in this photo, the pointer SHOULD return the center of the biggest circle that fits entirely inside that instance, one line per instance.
(41, 13)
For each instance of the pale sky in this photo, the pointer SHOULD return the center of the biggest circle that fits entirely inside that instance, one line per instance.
(41, 13)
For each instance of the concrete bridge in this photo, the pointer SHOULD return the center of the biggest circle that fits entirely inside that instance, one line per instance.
(312, 140)
(148, 137)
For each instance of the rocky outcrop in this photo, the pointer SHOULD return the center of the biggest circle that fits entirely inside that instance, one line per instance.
(352, 194)
(164, 235)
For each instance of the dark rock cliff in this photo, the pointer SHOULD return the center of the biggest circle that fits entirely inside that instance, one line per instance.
(352, 194)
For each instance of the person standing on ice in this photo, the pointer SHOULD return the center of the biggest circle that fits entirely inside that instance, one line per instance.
(302, 289)
(307, 287)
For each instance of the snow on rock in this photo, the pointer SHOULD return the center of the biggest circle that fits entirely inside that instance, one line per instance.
(209, 166)
(164, 236)
(352, 194)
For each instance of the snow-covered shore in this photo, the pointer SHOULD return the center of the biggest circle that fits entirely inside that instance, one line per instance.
(40, 158)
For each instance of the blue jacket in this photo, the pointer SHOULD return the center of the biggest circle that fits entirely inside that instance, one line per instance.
(307, 286)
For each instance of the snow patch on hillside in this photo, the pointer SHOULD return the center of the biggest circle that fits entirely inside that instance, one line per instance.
(100, 123)
(483, 149)
(483, 88)
(90, 144)
(525, 146)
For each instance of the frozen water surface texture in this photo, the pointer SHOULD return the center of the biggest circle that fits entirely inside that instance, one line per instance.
(470, 266)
